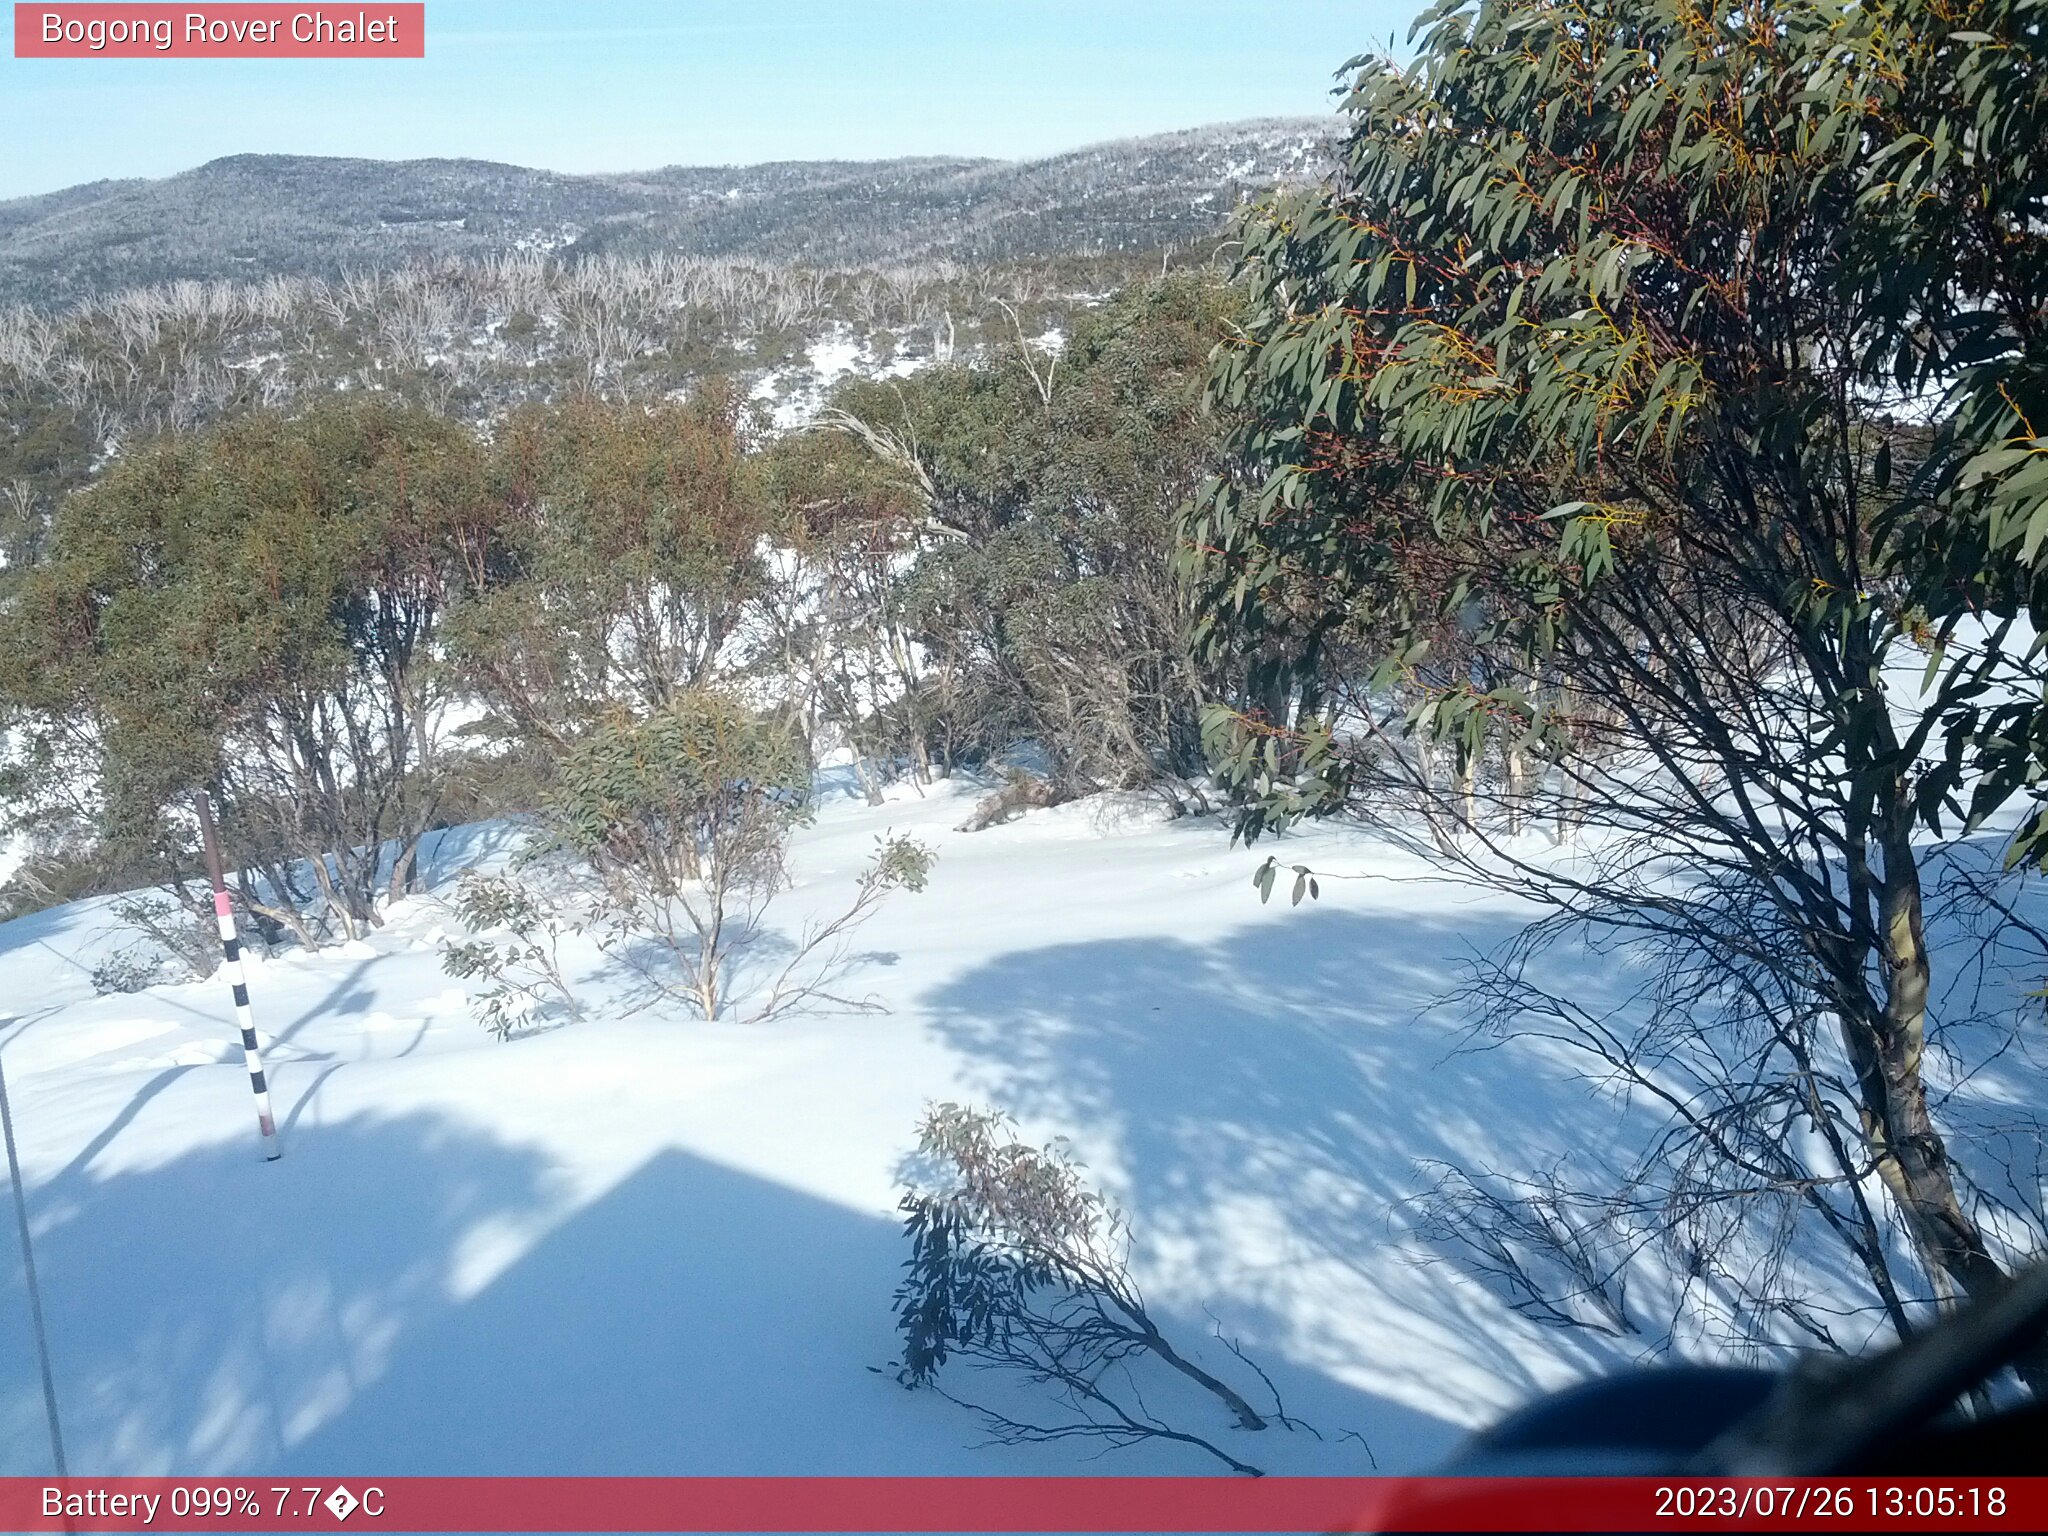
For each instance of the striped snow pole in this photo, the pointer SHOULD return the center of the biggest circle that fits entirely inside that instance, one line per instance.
(231, 946)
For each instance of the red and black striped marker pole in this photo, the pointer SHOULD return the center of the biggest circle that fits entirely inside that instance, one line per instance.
(231, 946)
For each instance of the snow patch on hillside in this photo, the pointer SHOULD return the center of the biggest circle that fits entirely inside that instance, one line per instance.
(795, 394)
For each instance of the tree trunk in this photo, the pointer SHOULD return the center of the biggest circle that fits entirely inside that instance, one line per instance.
(1887, 1053)
(1025, 791)
(403, 866)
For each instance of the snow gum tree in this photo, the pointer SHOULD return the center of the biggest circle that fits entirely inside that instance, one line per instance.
(682, 821)
(256, 610)
(837, 634)
(1614, 410)
(1038, 586)
(626, 557)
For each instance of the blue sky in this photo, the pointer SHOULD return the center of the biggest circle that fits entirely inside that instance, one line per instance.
(616, 85)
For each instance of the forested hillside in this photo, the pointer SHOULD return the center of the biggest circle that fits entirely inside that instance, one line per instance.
(259, 215)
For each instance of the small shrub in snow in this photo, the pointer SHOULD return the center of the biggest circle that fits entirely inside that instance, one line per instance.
(183, 929)
(524, 969)
(823, 952)
(683, 822)
(177, 944)
(1017, 1264)
(134, 968)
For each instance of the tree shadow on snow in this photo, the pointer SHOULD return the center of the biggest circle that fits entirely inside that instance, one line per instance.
(1261, 1103)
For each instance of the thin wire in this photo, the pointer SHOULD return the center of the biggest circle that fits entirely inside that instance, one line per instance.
(28, 1269)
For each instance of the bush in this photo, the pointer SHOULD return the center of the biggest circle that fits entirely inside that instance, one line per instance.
(180, 924)
(179, 942)
(134, 968)
(683, 820)
(525, 973)
(1017, 1264)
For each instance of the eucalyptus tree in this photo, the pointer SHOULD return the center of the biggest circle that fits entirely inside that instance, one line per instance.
(256, 611)
(1592, 414)
(1038, 587)
(626, 556)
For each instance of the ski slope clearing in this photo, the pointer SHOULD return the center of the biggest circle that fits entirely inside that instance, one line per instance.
(644, 1244)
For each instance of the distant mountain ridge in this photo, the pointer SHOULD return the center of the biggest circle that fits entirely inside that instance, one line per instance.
(254, 215)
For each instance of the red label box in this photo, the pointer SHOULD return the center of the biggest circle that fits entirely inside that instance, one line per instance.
(367, 29)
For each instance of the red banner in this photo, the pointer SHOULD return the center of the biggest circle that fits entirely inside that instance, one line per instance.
(372, 30)
(1021, 1504)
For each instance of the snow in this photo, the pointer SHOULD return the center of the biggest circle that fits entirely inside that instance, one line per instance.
(795, 394)
(833, 356)
(646, 1244)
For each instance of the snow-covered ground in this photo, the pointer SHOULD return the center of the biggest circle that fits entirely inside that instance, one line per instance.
(655, 1245)
(795, 394)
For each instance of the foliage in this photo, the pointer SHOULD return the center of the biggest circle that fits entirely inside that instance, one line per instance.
(1305, 883)
(1577, 441)
(255, 610)
(178, 940)
(1031, 572)
(849, 522)
(626, 553)
(701, 789)
(132, 968)
(179, 923)
(683, 821)
(1953, 251)
(46, 450)
(821, 953)
(525, 968)
(1017, 1263)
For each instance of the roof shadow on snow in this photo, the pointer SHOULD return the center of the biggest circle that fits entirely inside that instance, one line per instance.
(696, 1319)
(217, 1315)
(1260, 1104)
(208, 1309)
(692, 1319)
